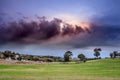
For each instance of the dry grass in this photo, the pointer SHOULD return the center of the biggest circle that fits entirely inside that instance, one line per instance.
(9, 62)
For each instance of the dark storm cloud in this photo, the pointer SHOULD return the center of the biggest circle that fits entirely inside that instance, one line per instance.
(106, 35)
(32, 32)
(104, 32)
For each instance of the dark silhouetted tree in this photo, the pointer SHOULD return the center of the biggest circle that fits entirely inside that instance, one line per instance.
(111, 55)
(115, 54)
(67, 56)
(82, 57)
(97, 52)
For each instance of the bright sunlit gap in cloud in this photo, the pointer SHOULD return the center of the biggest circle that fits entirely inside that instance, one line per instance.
(72, 20)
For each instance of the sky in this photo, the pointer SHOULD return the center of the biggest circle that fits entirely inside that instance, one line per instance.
(52, 27)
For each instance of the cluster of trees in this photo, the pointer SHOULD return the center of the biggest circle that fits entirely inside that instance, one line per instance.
(68, 55)
(114, 54)
(10, 55)
(16, 56)
(81, 56)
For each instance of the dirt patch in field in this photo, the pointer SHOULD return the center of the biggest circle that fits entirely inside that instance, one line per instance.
(22, 62)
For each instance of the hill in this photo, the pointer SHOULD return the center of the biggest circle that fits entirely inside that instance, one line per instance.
(104, 69)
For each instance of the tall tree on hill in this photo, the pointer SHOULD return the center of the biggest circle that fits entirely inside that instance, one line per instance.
(97, 52)
(67, 56)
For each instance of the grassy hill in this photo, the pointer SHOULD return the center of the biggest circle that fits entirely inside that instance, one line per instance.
(104, 69)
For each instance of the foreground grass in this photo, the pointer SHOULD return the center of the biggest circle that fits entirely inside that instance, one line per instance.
(107, 69)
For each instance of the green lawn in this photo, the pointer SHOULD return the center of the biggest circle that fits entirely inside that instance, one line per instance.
(106, 69)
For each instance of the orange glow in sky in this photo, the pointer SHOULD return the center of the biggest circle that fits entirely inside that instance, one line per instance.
(73, 21)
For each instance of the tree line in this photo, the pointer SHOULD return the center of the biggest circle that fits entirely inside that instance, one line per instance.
(81, 56)
(25, 57)
(66, 58)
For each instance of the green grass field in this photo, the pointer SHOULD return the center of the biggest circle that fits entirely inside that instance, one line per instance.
(105, 69)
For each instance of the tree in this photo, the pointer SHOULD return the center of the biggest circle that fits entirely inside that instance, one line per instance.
(115, 54)
(97, 52)
(82, 57)
(67, 56)
(111, 55)
(7, 54)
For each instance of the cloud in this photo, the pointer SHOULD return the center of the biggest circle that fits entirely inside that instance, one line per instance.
(31, 32)
(51, 34)
(106, 35)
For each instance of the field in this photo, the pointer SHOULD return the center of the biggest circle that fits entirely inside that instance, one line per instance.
(104, 69)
